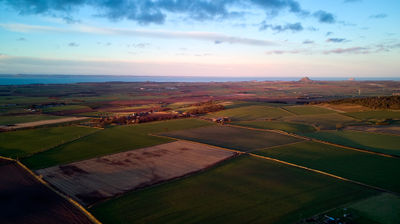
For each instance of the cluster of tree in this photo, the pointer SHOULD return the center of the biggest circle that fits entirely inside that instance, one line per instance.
(121, 120)
(206, 108)
(379, 102)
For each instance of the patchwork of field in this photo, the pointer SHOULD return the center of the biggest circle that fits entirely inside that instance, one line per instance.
(308, 110)
(110, 140)
(375, 142)
(17, 144)
(242, 190)
(322, 121)
(277, 125)
(25, 200)
(91, 180)
(367, 168)
(10, 120)
(375, 115)
(65, 108)
(384, 129)
(241, 139)
(43, 122)
(251, 113)
(344, 107)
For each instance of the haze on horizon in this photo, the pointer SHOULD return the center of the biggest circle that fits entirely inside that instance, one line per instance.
(338, 38)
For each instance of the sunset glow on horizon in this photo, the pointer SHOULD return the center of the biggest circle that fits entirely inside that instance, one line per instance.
(265, 38)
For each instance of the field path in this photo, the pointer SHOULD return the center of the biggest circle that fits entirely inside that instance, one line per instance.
(317, 140)
(43, 122)
(292, 164)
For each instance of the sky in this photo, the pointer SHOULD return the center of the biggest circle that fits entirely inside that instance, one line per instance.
(235, 38)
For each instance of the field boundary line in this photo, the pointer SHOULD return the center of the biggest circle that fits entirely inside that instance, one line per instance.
(319, 141)
(325, 173)
(277, 146)
(286, 110)
(293, 165)
(72, 201)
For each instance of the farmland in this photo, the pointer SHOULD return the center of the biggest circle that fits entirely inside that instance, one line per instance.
(308, 110)
(375, 115)
(241, 191)
(7, 120)
(371, 169)
(27, 142)
(284, 126)
(25, 200)
(388, 144)
(322, 121)
(108, 141)
(104, 177)
(251, 113)
(233, 138)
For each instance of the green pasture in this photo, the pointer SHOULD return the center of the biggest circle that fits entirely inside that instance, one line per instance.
(376, 142)
(17, 144)
(375, 115)
(241, 139)
(251, 113)
(64, 108)
(367, 168)
(110, 140)
(278, 125)
(321, 121)
(308, 110)
(242, 190)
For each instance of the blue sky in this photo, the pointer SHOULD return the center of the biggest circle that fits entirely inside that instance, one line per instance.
(335, 38)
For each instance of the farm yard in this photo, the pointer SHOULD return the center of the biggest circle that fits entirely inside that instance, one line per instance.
(232, 137)
(91, 180)
(238, 191)
(25, 200)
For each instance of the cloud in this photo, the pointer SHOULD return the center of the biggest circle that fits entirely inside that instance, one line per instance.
(324, 17)
(378, 16)
(155, 11)
(280, 52)
(21, 39)
(308, 42)
(336, 40)
(352, 50)
(294, 27)
(328, 33)
(73, 44)
(163, 34)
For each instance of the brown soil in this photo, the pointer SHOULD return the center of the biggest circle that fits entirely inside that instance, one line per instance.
(41, 123)
(23, 199)
(95, 179)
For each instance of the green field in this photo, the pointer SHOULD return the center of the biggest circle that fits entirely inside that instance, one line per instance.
(367, 168)
(26, 142)
(4, 120)
(284, 126)
(388, 144)
(375, 115)
(64, 108)
(242, 190)
(108, 141)
(322, 121)
(233, 138)
(308, 110)
(251, 113)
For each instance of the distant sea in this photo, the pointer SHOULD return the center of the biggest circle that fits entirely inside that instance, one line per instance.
(65, 79)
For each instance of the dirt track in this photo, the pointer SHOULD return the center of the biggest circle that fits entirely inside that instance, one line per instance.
(41, 123)
(23, 199)
(92, 180)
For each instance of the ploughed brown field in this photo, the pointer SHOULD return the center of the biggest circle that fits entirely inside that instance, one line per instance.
(96, 179)
(23, 199)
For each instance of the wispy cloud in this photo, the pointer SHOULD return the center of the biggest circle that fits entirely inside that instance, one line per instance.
(204, 36)
(378, 16)
(297, 51)
(294, 27)
(21, 39)
(351, 1)
(351, 50)
(336, 40)
(308, 42)
(73, 44)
